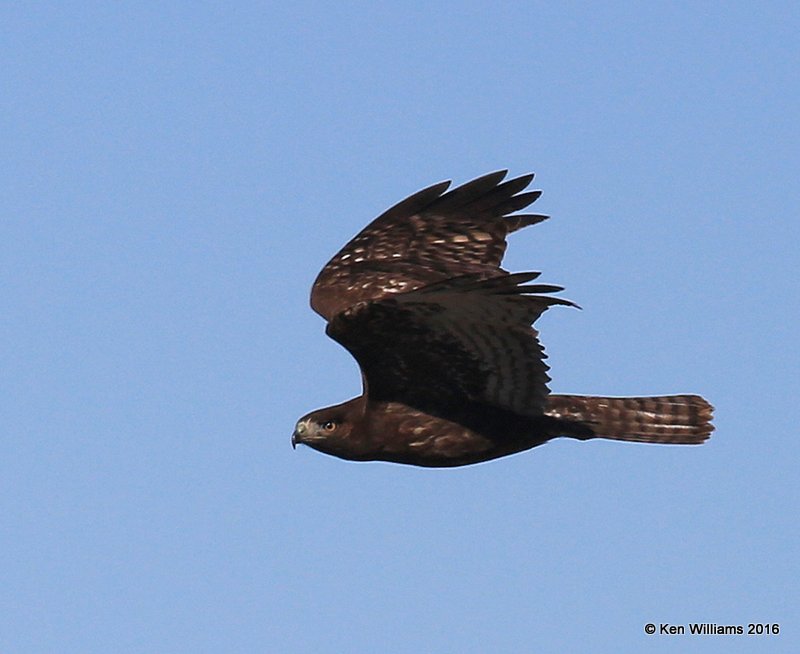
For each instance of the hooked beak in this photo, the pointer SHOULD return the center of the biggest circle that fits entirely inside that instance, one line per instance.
(300, 429)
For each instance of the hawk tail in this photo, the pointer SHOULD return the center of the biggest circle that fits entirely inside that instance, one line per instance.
(679, 419)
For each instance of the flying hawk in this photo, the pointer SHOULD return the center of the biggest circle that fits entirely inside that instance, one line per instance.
(453, 372)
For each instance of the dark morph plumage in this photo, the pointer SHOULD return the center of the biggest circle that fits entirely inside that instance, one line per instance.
(453, 371)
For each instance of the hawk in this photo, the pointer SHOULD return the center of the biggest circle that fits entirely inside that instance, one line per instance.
(452, 370)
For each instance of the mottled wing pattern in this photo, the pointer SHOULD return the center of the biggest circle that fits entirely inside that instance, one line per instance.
(429, 236)
(462, 339)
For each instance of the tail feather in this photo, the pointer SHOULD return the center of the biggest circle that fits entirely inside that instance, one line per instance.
(680, 419)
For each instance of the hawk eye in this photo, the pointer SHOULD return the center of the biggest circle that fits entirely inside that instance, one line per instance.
(328, 425)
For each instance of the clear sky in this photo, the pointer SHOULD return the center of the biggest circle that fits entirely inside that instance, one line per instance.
(173, 177)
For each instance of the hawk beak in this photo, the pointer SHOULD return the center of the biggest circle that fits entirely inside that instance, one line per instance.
(297, 437)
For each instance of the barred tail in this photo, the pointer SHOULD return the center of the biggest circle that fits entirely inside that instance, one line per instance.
(684, 419)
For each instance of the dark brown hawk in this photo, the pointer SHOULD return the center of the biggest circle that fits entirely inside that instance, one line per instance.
(453, 373)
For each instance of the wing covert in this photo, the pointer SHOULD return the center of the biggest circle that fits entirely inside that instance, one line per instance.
(432, 235)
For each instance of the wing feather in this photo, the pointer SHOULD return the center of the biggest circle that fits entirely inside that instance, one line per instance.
(462, 340)
(432, 235)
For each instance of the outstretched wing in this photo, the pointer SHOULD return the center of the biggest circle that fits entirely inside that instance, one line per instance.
(429, 236)
(453, 342)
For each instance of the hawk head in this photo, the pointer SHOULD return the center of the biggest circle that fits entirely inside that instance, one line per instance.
(334, 430)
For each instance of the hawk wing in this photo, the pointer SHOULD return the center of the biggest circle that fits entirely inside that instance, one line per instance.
(430, 236)
(463, 340)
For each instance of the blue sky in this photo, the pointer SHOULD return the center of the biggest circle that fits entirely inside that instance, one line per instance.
(173, 179)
